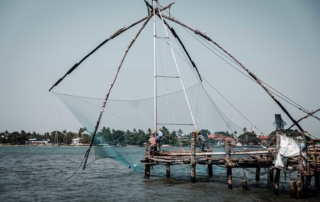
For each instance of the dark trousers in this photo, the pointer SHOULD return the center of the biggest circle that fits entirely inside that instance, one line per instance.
(153, 148)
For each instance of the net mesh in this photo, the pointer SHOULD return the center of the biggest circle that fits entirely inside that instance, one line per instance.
(128, 123)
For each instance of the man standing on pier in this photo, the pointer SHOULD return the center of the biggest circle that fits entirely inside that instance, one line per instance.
(202, 141)
(158, 137)
(153, 143)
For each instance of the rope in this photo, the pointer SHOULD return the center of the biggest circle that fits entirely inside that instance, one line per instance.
(58, 109)
(288, 99)
(207, 94)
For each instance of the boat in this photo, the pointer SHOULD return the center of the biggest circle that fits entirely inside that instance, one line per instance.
(165, 145)
(105, 145)
(218, 144)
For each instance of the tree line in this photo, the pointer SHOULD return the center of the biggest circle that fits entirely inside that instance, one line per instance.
(123, 138)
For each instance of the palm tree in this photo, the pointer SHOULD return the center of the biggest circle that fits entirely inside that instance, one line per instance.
(81, 130)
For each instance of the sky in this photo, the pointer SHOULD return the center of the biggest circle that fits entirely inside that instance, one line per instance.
(41, 40)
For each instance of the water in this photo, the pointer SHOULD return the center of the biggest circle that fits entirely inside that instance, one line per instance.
(39, 173)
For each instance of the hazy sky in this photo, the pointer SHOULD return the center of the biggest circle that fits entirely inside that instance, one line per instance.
(41, 40)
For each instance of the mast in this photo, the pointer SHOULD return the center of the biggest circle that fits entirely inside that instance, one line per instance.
(179, 72)
(154, 67)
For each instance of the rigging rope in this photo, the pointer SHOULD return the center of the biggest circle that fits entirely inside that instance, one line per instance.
(218, 92)
(260, 82)
(58, 109)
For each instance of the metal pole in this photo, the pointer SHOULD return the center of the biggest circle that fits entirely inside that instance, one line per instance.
(154, 68)
(178, 69)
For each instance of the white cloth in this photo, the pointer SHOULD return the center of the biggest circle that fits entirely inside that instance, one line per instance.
(288, 148)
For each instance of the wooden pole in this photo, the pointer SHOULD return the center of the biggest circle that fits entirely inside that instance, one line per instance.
(277, 170)
(293, 188)
(300, 188)
(229, 164)
(193, 157)
(209, 164)
(110, 88)
(316, 179)
(146, 171)
(300, 184)
(245, 185)
(168, 170)
(308, 181)
(210, 168)
(276, 182)
(271, 175)
(258, 174)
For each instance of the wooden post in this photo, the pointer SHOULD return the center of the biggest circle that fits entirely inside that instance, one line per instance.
(300, 192)
(228, 164)
(245, 185)
(168, 170)
(146, 170)
(271, 175)
(277, 170)
(193, 157)
(147, 147)
(293, 188)
(300, 186)
(308, 181)
(276, 182)
(209, 164)
(210, 168)
(258, 174)
(316, 179)
(146, 165)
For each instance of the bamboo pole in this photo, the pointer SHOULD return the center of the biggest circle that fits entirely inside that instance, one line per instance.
(212, 153)
(193, 157)
(110, 88)
(121, 30)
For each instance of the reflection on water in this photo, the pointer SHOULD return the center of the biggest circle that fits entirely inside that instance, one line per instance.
(39, 173)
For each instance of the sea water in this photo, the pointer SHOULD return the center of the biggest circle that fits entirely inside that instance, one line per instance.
(35, 173)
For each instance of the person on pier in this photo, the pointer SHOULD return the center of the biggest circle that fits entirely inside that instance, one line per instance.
(153, 143)
(202, 141)
(158, 138)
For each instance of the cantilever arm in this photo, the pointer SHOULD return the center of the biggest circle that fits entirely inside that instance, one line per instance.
(249, 72)
(110, 88)
(306, 116)
(120, 31)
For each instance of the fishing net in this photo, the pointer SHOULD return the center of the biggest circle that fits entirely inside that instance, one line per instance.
(128, 124)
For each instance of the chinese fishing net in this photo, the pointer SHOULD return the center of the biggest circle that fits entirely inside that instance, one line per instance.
(126, 125)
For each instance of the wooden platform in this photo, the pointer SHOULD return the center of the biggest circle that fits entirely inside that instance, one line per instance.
(234, 159)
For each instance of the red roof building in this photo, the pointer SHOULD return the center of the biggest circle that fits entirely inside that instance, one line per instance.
(219, 137)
